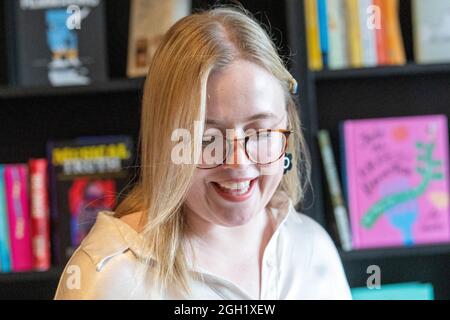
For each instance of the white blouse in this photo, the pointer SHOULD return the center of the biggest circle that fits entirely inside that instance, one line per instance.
(299, 262)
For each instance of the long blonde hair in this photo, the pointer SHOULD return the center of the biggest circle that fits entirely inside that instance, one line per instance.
(175, 97)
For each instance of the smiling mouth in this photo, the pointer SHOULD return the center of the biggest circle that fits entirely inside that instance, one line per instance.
(235, 191)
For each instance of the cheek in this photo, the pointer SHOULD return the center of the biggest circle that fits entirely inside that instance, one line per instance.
(271, 177)
(196, 191)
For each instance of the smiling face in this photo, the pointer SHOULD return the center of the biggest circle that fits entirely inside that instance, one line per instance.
(241, 97)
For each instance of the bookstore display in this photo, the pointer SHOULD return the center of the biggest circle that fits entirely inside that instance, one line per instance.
(367, 33)
(373, 77)
(59, 196)
(377, 99)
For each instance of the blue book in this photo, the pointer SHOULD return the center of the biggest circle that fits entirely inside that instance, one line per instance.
(323, 29)
(401, 291)
(343, 162)
(5, 254)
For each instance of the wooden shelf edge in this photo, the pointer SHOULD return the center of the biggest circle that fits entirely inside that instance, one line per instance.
(399, 252)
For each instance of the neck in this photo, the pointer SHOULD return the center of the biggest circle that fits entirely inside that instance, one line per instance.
(214, 238)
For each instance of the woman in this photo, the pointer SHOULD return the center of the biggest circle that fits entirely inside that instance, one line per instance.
(212, 216)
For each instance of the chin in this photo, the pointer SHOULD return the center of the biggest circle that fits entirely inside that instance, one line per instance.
(236, 218)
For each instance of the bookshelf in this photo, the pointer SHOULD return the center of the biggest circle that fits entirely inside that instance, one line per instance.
(330, 96)
(38, 114)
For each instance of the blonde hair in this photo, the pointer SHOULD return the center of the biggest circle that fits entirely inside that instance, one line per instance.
(175, 97)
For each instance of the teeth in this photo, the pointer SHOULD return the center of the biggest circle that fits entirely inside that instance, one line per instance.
(240, 187)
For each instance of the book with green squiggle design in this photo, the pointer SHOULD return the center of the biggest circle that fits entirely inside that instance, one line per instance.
(396, 172)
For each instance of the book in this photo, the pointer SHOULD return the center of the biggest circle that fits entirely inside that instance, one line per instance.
(56, 43)
(40, 215)
(431, 31)
(397, 180)
(337, 35)
(149, 21)
(16, 185)
(380, 33)
(87, 175)
(354, 34)
(367, 34)
(340, 211)
(5, 252)
(314, 52)
(323, 30)
(397, 291)
(395, 47)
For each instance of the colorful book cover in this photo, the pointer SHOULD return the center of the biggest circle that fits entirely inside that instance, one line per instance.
(354, 33)
(337, 35)
(87, 175)
(40, 216)
(431, 31)
(396, 50)
(397, 180)
(315, 62)
(367, 33)
(5, 252)
(61, 42)
(16, 183)
(380, 34)
(323, 30)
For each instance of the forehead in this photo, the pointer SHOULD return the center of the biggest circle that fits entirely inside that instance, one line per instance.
(242, 91)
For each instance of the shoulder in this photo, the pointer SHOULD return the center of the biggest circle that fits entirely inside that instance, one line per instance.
(103, 267)
(318, 256)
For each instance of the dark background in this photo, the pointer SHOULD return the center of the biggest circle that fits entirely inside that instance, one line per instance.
(32, 116)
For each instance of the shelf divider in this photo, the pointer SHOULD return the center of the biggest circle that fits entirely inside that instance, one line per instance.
(382, 71)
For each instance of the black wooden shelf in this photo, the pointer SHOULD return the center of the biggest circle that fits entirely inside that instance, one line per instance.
(383, 71)
(116, 85)
(34, 276)
(397, 252)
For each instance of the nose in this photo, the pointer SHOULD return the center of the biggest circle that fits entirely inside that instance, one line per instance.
(237, 156)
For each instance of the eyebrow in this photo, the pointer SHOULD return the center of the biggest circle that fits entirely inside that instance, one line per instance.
(258, 116)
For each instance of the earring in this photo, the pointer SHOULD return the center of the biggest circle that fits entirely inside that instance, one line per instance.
(293, 86)
(287, 162)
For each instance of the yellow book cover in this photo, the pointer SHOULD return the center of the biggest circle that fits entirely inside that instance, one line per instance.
(354, 37)
(395, 47)
(312, 35)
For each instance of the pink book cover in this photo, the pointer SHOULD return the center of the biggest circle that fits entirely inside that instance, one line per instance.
(16, 183)
(397, 180)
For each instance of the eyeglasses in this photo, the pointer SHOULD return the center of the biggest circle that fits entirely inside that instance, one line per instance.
(264, 146)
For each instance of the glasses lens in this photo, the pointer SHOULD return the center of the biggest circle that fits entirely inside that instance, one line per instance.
(266, 147)
(213, 151)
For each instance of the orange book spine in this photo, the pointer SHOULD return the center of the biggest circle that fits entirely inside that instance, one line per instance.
(380, 34)
(395, 47)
